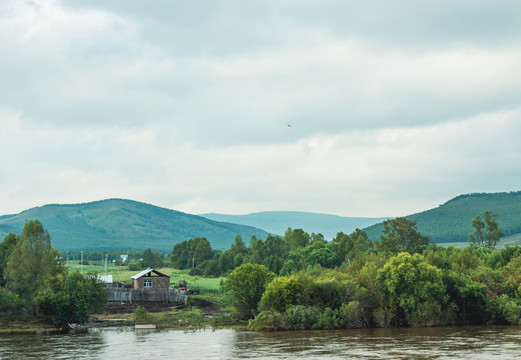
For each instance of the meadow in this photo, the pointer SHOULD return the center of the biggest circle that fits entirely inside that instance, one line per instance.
(123, 275)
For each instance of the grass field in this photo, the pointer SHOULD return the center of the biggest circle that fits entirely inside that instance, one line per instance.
(123, 275)
(512, 240)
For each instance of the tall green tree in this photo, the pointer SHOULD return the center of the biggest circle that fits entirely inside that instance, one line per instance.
(245, 286)
(180, 257)
(401, 235)
(6, 248)
(487, 231)
(33, 260)
(413, 288)
(200, 249)
(152, 259)
(296, 238)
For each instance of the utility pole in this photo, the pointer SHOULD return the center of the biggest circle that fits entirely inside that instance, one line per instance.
(106, 262)
(82, 262)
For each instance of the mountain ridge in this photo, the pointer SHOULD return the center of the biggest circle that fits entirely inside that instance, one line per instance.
(113, 224)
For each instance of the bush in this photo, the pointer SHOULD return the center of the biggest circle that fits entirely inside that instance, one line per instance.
(382, 317)
(70, 298)
(244, 287)
(141, 315)
(509, 309)
(354, 315)
(269, 321)
(11, 304)
(302, 317)
(288, 290)
(426, 314)
(329, 319)
(136, 266)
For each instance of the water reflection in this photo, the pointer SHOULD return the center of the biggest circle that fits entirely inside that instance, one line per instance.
(126, 343)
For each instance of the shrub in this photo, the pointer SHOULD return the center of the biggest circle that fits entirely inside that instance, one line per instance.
(509, 309)
(354, 315)
(141, 315)
(329, 319)
(382, 317)
(269, 321)
(136, 266)
(11, 304)
(301, 317)
(245, 286)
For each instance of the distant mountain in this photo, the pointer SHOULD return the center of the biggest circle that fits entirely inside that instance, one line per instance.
(277, 222)
(118, 224)
(450, 222)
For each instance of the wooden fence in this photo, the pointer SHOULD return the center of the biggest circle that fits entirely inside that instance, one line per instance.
(159, 295)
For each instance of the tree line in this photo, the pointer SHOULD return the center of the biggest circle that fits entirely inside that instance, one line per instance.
(299, 251)
(400, 280)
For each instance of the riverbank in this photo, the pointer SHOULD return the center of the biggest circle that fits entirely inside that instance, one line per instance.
(26, 325)
(199, 313)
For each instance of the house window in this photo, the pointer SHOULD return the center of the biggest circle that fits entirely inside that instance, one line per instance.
(147, 283)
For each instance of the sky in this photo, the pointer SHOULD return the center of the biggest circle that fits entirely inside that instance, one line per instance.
(356, 108)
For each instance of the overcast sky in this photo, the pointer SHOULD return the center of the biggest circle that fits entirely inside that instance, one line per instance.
(354, 108)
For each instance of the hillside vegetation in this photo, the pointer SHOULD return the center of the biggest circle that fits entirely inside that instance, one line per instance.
(450, 222)
(124, 224)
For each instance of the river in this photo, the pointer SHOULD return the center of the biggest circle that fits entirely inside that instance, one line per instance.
(491, 342)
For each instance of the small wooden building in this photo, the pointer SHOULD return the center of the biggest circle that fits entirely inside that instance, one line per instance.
(150, 279)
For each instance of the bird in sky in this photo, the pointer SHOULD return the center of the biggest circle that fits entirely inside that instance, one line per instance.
(289, 125)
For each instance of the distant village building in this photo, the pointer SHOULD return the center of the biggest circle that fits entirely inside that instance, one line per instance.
(124, 258)
(150, 279)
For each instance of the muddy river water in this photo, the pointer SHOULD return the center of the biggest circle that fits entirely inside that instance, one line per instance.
(493, 342)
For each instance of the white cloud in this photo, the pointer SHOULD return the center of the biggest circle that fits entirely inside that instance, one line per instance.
(186, 105)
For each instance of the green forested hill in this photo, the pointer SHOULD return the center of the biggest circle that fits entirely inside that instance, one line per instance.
(450, 222)
(118, 224)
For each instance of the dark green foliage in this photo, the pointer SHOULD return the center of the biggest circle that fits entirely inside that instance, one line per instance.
(6, 248)
(400, 235)
(70, 298)
(136, 265)
(32, 261)
(348, 247)
(301, 317)
(152, 259)
(12, 305)
(355, 316)
(329, 319)
(296, 238)
(189, 253)
(509, 309)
